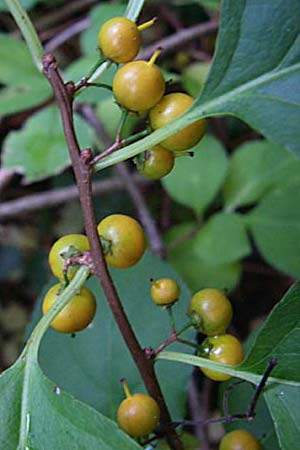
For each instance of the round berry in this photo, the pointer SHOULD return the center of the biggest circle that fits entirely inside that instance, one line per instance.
(168, 109)
(66, 247)
(138, 414)
(239, 440)
(123, 240)
(211, 311)
(225, 349)
(164, 291)
(76, 315)
(138, 85)
(119, 39)
(155, 163)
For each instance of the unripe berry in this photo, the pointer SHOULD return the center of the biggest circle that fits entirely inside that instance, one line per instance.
(165, 291)
(239, 440)
(120, 40)
(211, 311)
(138, 414)
(139, 85)
(225, 349)
(123, 240)
(168, 109)
(155, 163)
(76, 315)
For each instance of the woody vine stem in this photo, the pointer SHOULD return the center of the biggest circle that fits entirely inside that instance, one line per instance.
(64, 94)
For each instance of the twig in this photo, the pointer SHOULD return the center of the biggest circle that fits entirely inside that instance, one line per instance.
(248, 415)
(182, 238)
(179, 38)
(51, 198)
(145, 216)
(64, 97)
(67, 34)
(133, 190)
(66, 11)
(199, 408)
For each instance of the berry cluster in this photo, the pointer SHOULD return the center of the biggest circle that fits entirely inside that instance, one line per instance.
(123, 243)
(139, 87)
(211, 313)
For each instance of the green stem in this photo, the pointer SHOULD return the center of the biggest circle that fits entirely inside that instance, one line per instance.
(100, 85)
(135, 137)
(28, 31)
(63, 299)
(121, 125)
(94, 68)
(96, 71)
(189, 343)
(87, 84)
(186, 327)
(171, 317)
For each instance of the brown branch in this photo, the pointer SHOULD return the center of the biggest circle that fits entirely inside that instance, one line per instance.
(199, 406)
(130, 184)
(56, 197)
(60, 15)
(67, 34)
(170, 43)
(6, 176)
(63, 94)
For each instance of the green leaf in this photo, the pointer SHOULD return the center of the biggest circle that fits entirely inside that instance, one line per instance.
(223, 239)
(98, 16)
(14, 99)
(26, 87)
(195, 181)
(275, 225)
(196, 272)
(27, 4)
(255, 168)
(189, 441)
(214, 5)
(90, 365)
(256, 68)
(45, 417)
(283, 403)
(28, 31)
(39, 149)
(110, 114)
(194, 77)
(279, 339)
(17, 68)
(255, 75)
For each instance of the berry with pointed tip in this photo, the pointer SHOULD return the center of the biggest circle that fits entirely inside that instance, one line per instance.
(138, 414)
(139, 85)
